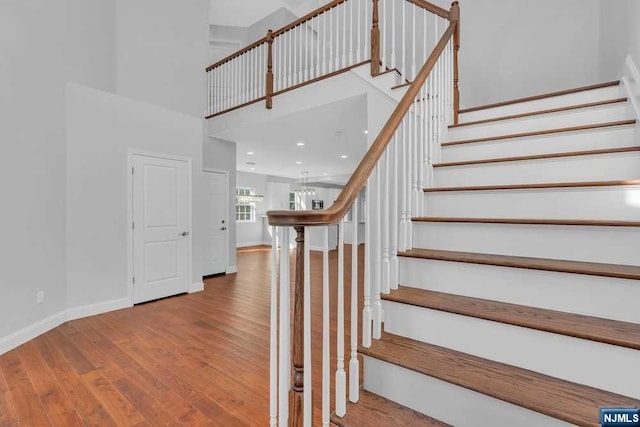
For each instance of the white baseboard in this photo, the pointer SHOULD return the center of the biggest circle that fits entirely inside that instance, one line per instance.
(196, 287)
(249, 244)
(45, 325)
(30, 332)
(232, 269)
(99, 308)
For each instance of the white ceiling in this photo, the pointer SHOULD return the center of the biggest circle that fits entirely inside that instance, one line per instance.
(328, 132)
(244, 13)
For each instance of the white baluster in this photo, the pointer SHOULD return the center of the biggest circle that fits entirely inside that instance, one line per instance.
(341, 377)
(359, 33)
(384, 218)
(290, 58)
(403, 69)
(425, 51)
(421, 144)
(383, 30)
(285, 314)
(407, 190)
(393, 34)
(402, 186)
(308, 383)
(331, 36)
(324, 37)
(367, 315)
(377, 256)
(307, 48)
(337, 52)
(344, 34)
(351, 32)
(354, 364)
(315, 65)
(415, 156)
(273, 352)
(326, 331)
(394, 211)
(414, 41)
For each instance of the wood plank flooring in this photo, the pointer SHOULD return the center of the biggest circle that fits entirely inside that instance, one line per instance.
(199, 359)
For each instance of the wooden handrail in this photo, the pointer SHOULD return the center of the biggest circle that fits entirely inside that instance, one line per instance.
(236, 54)
(437, 10)
(359, 178)
(309, 16)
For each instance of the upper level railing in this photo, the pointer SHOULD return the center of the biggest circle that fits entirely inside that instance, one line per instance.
(393, 172)
(343, 34)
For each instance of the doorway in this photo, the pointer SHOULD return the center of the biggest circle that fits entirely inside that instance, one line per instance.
(217, 190)
(161, 225)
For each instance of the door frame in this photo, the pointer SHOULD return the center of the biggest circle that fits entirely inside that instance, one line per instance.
(129, 224)
(225, 172)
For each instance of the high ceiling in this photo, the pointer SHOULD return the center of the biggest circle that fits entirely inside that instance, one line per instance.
(315, 140)
(244, 13)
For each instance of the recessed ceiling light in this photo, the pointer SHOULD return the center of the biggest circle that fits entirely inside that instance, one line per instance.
(251, 153)
(300, 143)
(253, 169)
(298, 163)
(366, 131)
(344, 156)
(325, 174)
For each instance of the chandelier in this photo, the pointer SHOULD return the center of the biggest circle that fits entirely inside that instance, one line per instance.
(304, 189)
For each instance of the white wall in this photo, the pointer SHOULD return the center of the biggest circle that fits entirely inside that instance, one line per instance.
(32, 165)
(43, 45)
(620, 30)
(162, 50)
(516, 48)
(101, 129)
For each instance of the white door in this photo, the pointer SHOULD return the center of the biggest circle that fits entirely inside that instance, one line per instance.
(161, 234)
(216, 185)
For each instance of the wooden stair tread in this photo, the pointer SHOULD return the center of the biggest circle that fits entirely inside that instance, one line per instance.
(541, 132)
(373, 411)
(531, 221)
(607, 331)
(571, 402)
(542, 112)
(401, 85)
(540, 156)
(561, 266)
(547, 185)
(542, 96)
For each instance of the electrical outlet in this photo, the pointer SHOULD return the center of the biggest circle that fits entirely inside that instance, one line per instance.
(40, 297)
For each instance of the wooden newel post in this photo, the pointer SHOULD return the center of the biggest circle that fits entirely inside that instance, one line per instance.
(375, 41)
(455, 17)
(296, 394)
(269, 82)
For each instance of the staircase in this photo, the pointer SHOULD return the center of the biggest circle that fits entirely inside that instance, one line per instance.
(518, 304)
(501, 279)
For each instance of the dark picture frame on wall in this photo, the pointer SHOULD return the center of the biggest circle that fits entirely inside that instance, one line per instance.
(317, 205)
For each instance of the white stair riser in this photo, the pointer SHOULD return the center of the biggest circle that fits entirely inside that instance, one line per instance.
(612, 245)
(604, 297)
(583, 97)
(583, 117)
(603, 366)
(620, 136)
(447, 402)
(601, 167)
(606, 203)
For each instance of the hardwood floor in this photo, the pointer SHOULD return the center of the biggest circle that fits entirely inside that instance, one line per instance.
(199, 359)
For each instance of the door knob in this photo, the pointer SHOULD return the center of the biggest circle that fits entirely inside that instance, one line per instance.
(223, 228)
(184, 233)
